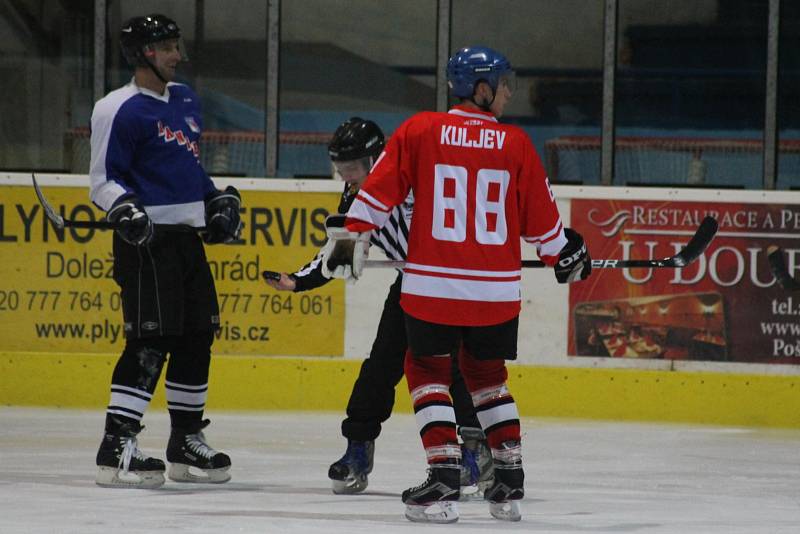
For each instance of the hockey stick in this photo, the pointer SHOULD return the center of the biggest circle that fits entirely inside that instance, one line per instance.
(697, 245)
(778, 267)
(60, 222)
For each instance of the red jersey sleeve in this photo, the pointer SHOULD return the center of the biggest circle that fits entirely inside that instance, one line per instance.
(540, 222)
(386, 186)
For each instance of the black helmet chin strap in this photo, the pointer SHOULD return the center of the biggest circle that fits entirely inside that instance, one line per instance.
(155, 71)
(486, 106)
(152, 67)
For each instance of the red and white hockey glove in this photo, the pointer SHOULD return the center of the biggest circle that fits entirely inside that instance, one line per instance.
(344, 254)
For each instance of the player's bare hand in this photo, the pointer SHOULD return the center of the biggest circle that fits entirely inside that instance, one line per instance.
(279, 281)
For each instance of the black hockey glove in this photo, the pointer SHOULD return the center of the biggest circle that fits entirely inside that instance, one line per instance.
(134, 226)
(223, 223)
(574, 263)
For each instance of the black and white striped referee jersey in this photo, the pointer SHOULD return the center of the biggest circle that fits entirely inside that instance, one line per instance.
(392, 239)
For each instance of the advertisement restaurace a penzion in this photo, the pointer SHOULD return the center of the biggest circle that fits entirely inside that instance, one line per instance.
(725, 306)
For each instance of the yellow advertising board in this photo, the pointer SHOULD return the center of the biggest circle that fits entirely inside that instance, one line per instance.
(57, 293)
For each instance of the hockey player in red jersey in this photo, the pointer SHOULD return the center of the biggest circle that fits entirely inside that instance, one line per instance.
(355, 146)
(479, 187)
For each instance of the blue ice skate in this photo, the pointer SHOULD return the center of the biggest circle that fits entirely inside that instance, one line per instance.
(349, 473)
(477, 468)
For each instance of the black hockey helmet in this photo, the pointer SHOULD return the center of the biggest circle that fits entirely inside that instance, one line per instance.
(139, 32)
(356, 138)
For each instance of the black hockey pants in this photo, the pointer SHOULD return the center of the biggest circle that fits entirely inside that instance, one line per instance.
(372, 399)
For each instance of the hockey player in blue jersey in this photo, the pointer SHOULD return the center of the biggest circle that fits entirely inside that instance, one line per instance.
(146, 174)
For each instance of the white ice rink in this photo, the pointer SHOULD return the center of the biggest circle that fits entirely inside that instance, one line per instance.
(581, 477)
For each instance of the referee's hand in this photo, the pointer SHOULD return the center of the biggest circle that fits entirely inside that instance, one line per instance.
(279, 281)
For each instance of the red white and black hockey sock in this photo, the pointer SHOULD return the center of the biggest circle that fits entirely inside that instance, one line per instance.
(494, 405)
(428, 380)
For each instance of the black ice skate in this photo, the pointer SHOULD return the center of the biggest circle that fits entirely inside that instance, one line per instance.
(435, 500)
(192, 460)
(508, 486)
(477, 466)
(349, 473)
(120, 463)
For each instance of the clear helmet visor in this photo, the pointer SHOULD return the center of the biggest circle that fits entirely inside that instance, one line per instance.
(508, 81)
(354, 171)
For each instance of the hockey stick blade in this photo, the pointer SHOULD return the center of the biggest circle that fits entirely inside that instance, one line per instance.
(57, 219)
(779, 270)
(694, 248)
(699, 242)
(60, 222)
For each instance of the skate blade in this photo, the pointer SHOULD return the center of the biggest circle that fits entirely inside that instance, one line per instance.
(186, 473)
(505, 511)
(483, 485)
(113, 477)
(471, 493)
(438, 512)
(349, 485)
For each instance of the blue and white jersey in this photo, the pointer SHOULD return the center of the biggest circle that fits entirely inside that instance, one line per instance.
(148, 144)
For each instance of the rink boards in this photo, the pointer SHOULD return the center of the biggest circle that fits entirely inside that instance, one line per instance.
(305, 355)
(246, 383)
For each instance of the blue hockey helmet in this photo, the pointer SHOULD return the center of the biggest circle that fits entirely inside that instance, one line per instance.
(473, 64)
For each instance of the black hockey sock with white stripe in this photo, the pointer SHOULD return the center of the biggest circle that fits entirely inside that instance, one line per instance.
(135, 377)
(186, 403)
(187, 378)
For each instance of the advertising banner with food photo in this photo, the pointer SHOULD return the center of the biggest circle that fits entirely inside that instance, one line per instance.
(724, 306)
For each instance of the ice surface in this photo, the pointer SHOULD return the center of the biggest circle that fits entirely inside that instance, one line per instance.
(581, 477)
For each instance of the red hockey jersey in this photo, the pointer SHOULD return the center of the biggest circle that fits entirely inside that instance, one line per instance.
(479, 187)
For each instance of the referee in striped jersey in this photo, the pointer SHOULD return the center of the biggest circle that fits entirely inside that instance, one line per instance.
(354, 148)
